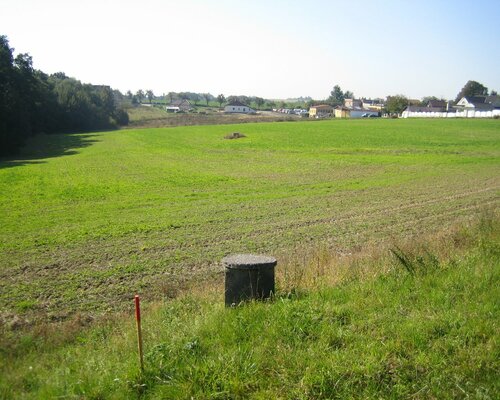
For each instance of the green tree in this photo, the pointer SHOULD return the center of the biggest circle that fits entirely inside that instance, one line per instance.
(427, 99)
(121, 117)
(11, 133)
(310, 103)
(221, 99)
(207, 97)
(150, 95)
(336, 96)
(396, 104)
(140, 95)
(472, 88)
(26, 99)
(259, 101)
(32, 102)
(348, 95)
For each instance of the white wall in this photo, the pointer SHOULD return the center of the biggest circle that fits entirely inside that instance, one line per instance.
(238, 109)
(458, 114)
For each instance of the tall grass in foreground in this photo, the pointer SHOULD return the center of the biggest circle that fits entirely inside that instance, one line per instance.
(418, 322)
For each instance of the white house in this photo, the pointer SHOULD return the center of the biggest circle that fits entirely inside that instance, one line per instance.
(179, 105)
(467, 107)
(478, 107)
(237, 107)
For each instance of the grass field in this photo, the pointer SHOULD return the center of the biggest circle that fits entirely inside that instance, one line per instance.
(90, 219)
(379, 332)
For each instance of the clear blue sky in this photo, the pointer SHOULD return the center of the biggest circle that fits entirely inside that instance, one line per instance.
(272, 49)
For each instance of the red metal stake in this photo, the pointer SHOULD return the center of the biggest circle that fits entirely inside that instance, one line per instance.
(139, 332)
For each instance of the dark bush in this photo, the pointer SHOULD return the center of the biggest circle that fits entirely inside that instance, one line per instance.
(234, 135)
(121, 117)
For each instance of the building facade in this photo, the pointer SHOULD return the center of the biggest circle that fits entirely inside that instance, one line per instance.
(320, 111)
(237, 107)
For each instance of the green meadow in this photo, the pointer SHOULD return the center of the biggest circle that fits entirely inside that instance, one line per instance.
(386, 233)
(90, 219)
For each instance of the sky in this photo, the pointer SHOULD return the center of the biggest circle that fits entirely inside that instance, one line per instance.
(271, 49)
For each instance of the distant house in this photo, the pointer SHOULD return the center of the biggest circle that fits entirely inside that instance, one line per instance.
(320, 111)
(476, 103)
(433, 109)
(467, 107)
(358, 108)
(179, 105)
(428, 112)
(238, 107)
(374, 105)
(346, 112)
(353, 103)
(341, 112)
(478, 106)
(493, 100)
(443, 104)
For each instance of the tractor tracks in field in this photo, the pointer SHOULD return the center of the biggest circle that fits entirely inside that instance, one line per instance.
(374, 214)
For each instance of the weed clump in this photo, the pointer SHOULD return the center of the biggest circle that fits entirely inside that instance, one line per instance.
(234, 135)
(415, 264)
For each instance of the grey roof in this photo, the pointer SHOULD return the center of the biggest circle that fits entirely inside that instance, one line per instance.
(425, 109)
(178, 103)
(484, 106)
(484, 103)
(373, 102)
(495, 100)
(322, 106)
(476, 99)
(437, 103)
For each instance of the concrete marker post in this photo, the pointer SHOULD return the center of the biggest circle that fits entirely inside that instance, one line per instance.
(248, 277)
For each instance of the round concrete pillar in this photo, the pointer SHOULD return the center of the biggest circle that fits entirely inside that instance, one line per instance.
(248, 277)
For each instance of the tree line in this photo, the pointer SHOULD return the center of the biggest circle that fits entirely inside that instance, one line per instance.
(398, 103)
(195, 98)
(32, 102)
